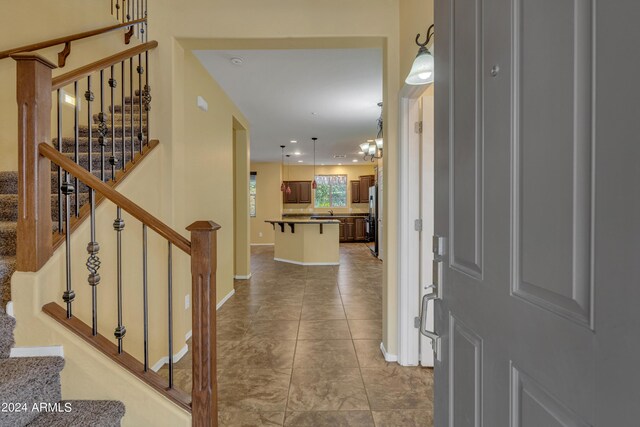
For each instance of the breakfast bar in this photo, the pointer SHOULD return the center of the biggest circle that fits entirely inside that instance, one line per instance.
(307, 241)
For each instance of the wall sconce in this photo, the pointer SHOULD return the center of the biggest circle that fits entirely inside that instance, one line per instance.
(371, 149)
(422, 69)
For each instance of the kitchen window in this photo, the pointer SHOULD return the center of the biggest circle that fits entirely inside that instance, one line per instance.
(252, 194)
(331, 191)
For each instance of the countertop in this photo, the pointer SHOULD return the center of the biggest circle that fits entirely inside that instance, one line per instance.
(302, 221)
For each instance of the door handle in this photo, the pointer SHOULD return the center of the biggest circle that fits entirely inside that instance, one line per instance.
(435, 338)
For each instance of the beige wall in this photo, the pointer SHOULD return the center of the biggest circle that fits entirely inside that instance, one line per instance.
(241, 238)
(268, 201)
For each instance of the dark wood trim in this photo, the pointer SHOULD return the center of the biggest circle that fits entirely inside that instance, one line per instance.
(68, 39)
(204, 402)
(117, 198)
(34, 171)
(72, 76)
(124, 359)
(58, 238)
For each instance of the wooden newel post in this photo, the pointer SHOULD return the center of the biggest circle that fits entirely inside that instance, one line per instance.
(204, 398)
(34, 171)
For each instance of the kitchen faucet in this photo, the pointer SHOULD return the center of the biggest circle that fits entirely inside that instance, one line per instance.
(331, 212)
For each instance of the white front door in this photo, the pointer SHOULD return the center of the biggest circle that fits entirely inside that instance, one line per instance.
(537, 147)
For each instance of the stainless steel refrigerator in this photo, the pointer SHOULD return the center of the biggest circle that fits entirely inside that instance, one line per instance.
(372, 220)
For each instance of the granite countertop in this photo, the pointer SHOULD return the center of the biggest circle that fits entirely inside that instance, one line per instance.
(303, 221)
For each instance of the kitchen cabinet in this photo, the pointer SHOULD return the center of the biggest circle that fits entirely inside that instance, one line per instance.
(366, 181)
(355, 191)
(343, 237)
(300, 192)
(360, 229)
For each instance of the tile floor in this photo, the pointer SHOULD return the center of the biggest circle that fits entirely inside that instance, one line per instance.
(300, 346)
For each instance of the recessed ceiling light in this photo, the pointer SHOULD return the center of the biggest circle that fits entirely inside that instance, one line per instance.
(236, 61)
(360, 152)
(339, 164)
(293, 141)
(300, 161)
(297, 153)
(321, 164)
(355, 160)
(370, 140)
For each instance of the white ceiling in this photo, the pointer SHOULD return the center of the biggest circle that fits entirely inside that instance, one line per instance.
(278, 90)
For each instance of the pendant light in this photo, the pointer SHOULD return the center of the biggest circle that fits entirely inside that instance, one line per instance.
(313, 184)
(282, 186)
(288, 189)
(372, 149)
(422, 69)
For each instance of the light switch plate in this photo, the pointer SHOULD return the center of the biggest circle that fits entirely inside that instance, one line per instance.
(202, 104)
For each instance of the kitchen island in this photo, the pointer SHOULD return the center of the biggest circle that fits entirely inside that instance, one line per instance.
(307, 241)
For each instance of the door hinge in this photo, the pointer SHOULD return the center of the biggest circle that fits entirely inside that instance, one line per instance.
(417, 225)
(416, 322)
(418, 127)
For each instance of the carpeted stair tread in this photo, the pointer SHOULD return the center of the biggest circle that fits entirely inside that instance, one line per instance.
(69, 144)
(7, 324)
(118, 118)
(127, 108)
(28, 380)
(96, 164)
(83, 130)
(83, 413)
(7, 267)
(8, 230)
(9, 205)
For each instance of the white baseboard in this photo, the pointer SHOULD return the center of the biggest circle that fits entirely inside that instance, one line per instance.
(388, 357)
(223, 300)
(305, 263)
(242, 277)
(262, 244)
(54, 350)
(164, 360)
(9, 309)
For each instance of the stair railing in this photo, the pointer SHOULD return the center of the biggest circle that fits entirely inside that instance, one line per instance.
(35, 238)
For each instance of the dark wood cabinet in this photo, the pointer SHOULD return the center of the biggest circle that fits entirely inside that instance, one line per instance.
(343, 237)
(300, 192)
(361, 229)
(304, 192)
(355, 191)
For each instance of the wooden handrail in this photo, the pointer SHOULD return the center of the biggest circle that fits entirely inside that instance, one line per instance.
(70, 77)
(117, 198)
(68, 39)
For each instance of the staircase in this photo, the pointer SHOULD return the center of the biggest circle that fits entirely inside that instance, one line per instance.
(9, 180)
(32, 384)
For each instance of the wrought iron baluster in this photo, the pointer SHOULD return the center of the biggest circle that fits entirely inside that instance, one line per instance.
(133, 158)
(93, 262)
(118, 10)
(118, 225)
(170, 307)
(68, 295)
(147, 95)
(113, 161)
(76, 130)
(129, 10)
(145, 299)
(124, 114)
(102, 128)
(140, 70)
(60, 148)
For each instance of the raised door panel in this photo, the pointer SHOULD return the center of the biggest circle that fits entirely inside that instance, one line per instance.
(291, 197)
(355, 191)
(365, 183)
(360, 229)
(350, 229)
(553, 127)
(343, 236)
(304, 192)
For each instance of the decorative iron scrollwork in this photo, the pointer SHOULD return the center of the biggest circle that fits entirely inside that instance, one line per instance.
(146, 97)
(93, 263)
(88, 95)
(113, 83)
(118, 224)
(102, 128)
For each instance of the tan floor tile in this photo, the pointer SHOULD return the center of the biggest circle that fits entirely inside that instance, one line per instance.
(325, 299)
(327, 390)
(398, 387)
(256, 354)
(323, 330)
(329, 418)
(278, 312)
(363, 311)
(231, 329)
(274, 329)
(325, 354)
(314, 311)
(403, 418)
(253, 419)
(369, 354)
(366, 329)
(232, 310)
(253, 389)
